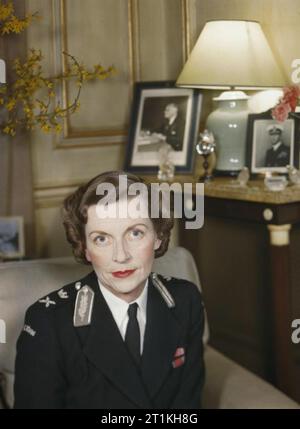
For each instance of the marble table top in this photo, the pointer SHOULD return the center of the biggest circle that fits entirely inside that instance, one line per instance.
(228, 188)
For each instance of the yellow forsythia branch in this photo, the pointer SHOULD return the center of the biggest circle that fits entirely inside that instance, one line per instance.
(9, 22)
(25, 110)
(19, 103)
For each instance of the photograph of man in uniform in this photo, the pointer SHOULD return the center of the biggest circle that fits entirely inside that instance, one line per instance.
(122, 336)
(271, 145)
(279, 154)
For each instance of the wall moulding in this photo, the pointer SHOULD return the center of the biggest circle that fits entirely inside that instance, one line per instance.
(76, 136)
(64, 38)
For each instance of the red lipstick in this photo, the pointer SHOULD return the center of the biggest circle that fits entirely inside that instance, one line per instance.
(123, 274)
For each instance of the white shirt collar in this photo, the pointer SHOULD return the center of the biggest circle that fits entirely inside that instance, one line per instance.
(119, 307)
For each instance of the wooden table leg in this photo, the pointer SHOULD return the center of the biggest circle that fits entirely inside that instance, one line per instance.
(280, 278)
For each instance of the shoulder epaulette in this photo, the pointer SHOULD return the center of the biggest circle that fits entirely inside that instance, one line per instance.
(83, 306)
(163, 290)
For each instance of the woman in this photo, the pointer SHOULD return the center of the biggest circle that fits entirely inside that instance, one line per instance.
(121, 337)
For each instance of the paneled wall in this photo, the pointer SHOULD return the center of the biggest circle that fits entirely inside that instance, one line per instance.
(145, 40)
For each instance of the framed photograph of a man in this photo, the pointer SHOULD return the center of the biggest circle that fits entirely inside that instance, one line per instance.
(272, 145)
(163, 114)
(11, 237)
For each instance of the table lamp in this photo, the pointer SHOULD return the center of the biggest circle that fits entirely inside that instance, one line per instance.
(231, 55)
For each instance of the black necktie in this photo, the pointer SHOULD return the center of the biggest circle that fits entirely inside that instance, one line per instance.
(133, 336)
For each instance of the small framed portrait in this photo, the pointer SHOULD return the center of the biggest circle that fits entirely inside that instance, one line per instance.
(272, 145)
(163, 116)
(11, 237)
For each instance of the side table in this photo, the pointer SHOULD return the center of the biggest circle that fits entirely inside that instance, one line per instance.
(279, 211)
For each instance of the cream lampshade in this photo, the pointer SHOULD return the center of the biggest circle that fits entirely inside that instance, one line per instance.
(232, 55)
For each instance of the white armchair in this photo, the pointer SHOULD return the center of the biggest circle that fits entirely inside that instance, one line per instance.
(228, 385)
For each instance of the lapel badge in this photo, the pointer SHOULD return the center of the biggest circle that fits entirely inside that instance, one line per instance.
(83, 307)
(63, 294)
(179, 357)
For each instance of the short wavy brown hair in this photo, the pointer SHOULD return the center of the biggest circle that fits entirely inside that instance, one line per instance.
(76, 206)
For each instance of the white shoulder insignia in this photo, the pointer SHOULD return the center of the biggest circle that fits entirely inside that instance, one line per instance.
(47, 301)
(163, 291)
(63, 294)
(29, 330)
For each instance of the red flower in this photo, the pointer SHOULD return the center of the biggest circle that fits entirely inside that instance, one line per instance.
(287, 103)
(290, 96)
(281, 112)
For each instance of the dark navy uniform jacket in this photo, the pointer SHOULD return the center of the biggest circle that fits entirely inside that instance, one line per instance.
(62, 366)
(279, 157)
